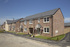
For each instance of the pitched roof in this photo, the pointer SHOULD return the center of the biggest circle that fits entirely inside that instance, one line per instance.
(12, 21)
(9, 21)
(66, 24)
(39, 15)
(21, 20)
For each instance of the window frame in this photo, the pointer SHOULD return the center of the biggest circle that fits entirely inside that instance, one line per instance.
(31, 21)
(25, 28)
(46, 30)
(25, 22)
(38, 20)
(47, 20)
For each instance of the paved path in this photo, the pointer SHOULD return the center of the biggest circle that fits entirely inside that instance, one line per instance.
(8, 40)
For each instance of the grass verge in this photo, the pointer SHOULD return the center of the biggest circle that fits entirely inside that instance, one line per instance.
(20, 33)
(11, 31)
(2, 31)
(56, 38)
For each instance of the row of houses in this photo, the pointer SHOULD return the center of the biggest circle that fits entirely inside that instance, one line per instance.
(49, 23)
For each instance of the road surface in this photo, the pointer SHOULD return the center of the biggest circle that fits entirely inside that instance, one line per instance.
(9, 40)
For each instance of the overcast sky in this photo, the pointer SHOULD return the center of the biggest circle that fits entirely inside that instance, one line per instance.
(16, 9)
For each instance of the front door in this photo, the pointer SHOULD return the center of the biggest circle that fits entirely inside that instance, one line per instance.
(31, 30)
(21, 30)
(38, 30)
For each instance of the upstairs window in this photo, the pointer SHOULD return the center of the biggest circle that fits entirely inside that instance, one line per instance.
(25, 22)
(38, 20)
(46, 19)
(30, 22)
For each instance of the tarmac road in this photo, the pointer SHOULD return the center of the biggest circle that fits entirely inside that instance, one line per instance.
(9, 40)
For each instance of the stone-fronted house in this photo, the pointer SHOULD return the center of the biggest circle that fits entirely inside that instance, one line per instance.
(66, 27)
(11, 25)
(49, 23)
(18, 25)
(2, 27)
(21, 25)
(8, 25)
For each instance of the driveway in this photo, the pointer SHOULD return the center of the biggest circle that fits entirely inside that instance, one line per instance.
(9, 40)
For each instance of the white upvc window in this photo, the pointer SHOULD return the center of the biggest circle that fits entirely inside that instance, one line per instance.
(25, 22)
(30, 22)
(25, 29)
(10, 28)
(46, 30)
(46, 19)
(38, 20)
(13, 28)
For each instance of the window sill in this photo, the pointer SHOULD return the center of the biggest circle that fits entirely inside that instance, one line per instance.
(24, 30)
(38, 22)
(30, 23)
(46, 32)
(46, 22)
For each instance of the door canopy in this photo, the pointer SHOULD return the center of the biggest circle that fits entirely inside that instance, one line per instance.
(38, 26)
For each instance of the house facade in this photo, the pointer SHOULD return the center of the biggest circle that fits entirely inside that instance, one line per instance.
(18, 25)
(50, 23)
(2, 27)
(66, 27)
(12, 25)
(8, 25)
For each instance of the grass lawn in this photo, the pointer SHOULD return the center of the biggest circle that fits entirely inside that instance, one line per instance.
(1, 31)
(11, 31)
(20, 33)
(57, 38)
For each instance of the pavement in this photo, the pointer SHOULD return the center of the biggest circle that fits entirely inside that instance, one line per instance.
(9, 40)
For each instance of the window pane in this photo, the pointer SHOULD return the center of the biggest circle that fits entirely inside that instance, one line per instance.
(38, 19)
(47, 29)
(48, 19)
(44, 29)
(25, 28)
(25, 22)
(30, 21)
(45, 19)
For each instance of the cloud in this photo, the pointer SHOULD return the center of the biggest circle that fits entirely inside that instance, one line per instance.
(67, 19)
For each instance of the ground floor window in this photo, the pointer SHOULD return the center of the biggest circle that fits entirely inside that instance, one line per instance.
(10, 28)
(25, 29)
(46, 30)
